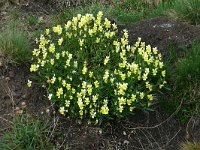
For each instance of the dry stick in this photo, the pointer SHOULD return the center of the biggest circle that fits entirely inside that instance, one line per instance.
(171, 138)
(66, 136)
(147, 138)
(187, 128)
(54, 126)
(179, 107)
(151, 137)
(140, 142)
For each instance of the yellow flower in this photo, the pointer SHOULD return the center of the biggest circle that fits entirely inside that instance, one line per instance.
(87, 101)
(122, 65)
(104, 109)
(36, 52)
(150, 97)
(68, 86)
(123, 86)
(123, 76)
(52, 48)
(131, 108)
(94, 98)
(50, 96)
(53, 80)
(29, 83)
(106, 76)
(90, 74)
(89, 89)
(129, 102)
(68, 25)
(80, 104)
(141, 95)
(154, 71)
(163, 73)
(79, 96)
(59, 92)
(121, 108)
(34, 68)
(67, 103)
(125, 33)
(161, 64)
(112, 80)
(47, 31)
(106, 60)
(57, 29)
(84, 84)
(107, 23)
(122, 100)
(155, 50)
(144, 76)
(62, 110)
(60, 41)
(96, 84)
(73, 91)
(133, 97)
(57, 55)
(114, 26)
(84, 70)
(52, 61)
(81, 42)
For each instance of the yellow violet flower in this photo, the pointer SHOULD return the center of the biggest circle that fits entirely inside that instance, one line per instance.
(106, 60)
(96, 84)
(104, 109)
(150, 97)
(133, 97)
(60, 41)
(84, 70)
(29, 83)
(34, 68)
(163, 73)
(62, 110)
(57, 29)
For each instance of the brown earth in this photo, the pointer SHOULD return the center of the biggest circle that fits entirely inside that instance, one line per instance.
(149, 131)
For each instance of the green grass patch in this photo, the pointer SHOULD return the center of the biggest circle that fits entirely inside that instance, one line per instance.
(184, 78)
(15, 44)
(188, 10)
(27, 134)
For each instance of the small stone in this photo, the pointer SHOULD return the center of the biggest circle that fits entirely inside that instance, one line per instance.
(11, 74)
(23, 105)
(126, 142)
(124, 133)
(7, 78)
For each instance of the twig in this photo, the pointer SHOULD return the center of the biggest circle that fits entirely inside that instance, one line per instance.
(155, 126)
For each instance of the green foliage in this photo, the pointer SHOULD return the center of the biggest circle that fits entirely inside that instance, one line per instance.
(188, 69)
(162, 9)
(188, 10)
(185, 85)
(134, 6)
(32, 20)
(190, 146)
(15, 43)
(27, 134)
(91, 73)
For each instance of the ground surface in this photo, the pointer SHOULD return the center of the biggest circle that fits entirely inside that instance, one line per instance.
(149, 131)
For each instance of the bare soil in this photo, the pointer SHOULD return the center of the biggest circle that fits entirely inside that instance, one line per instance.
(142, 131)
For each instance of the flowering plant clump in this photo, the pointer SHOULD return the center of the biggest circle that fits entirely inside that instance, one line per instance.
(90, 72)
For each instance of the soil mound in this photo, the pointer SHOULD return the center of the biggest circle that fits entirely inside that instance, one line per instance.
(163, 32)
